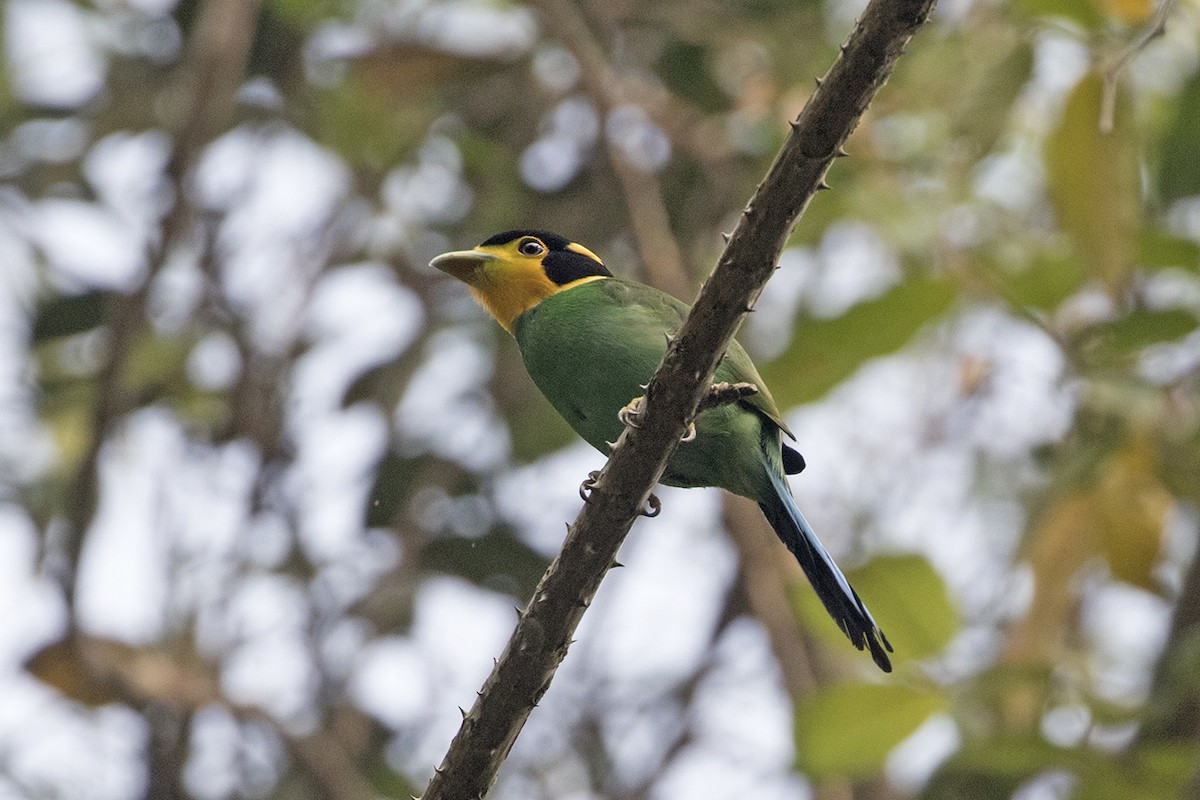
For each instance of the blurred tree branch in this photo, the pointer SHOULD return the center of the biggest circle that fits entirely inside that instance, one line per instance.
(643, 194)
(204, 95)
(204, 91)
(169, 689)
(1172, 712)
(1155, 27)
(543, 634)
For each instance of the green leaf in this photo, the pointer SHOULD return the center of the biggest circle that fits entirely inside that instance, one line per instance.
(69, 315)
(984, 117)
(825, 352)
(1094, 182)
(1180, 467)
(1017, 756)
(395, 477)
(1081, 12)
(498, 561)
(848, 729)
(684, 68)
(1045, 283)
(380, 385)
(1155, 773)
(991, 769)
(905, 595)
(1145, 327)
(1159, 250)
(1179, 168)
(910, 603)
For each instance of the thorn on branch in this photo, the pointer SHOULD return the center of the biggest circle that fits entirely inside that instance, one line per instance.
(822, 186)
(841, 153)
(819, 82)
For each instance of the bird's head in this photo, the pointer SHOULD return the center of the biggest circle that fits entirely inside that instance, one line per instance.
(513, 271)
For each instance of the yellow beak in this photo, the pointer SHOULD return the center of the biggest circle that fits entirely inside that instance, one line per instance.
(463, 264)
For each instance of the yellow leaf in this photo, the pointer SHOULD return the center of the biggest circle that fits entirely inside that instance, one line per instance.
(1062, 541)
(1094, 184)
(1131, 12)
(1130, 506)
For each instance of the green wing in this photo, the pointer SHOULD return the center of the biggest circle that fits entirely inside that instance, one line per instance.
(736, 367)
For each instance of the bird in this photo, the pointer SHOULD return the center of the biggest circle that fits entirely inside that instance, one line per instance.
(591, 341)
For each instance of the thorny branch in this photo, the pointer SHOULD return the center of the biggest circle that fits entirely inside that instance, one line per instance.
(543, 634)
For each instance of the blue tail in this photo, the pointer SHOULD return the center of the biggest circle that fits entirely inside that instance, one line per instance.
(841, 601)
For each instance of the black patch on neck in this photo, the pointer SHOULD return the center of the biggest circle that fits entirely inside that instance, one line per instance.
(564, 266)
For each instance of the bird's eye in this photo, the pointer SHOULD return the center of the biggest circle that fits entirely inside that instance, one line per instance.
(531, 247)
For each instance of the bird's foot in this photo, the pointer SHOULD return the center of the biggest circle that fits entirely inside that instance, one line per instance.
(585, 488)
(653, 506)
(723, 394)
(630, 413)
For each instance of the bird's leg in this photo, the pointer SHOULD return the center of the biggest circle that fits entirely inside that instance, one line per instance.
(585, 488)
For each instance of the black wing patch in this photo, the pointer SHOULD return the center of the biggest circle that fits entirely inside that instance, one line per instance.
(793, 462)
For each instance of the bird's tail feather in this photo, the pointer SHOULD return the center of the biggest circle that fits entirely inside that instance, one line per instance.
(840, 599)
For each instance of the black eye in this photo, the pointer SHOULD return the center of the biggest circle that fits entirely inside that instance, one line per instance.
(531, 247)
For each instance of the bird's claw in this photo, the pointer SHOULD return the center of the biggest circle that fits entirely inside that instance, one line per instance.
(690, 435)
(585, 488)
(629, 414)
(652, 508)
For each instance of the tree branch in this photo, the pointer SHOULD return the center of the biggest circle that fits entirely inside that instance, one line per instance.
(544, 632)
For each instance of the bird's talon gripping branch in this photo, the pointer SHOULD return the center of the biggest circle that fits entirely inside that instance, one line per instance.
(653, 506)
(630, 413)
(585, 488)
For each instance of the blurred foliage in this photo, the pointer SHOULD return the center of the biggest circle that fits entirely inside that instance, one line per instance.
(979, 184)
